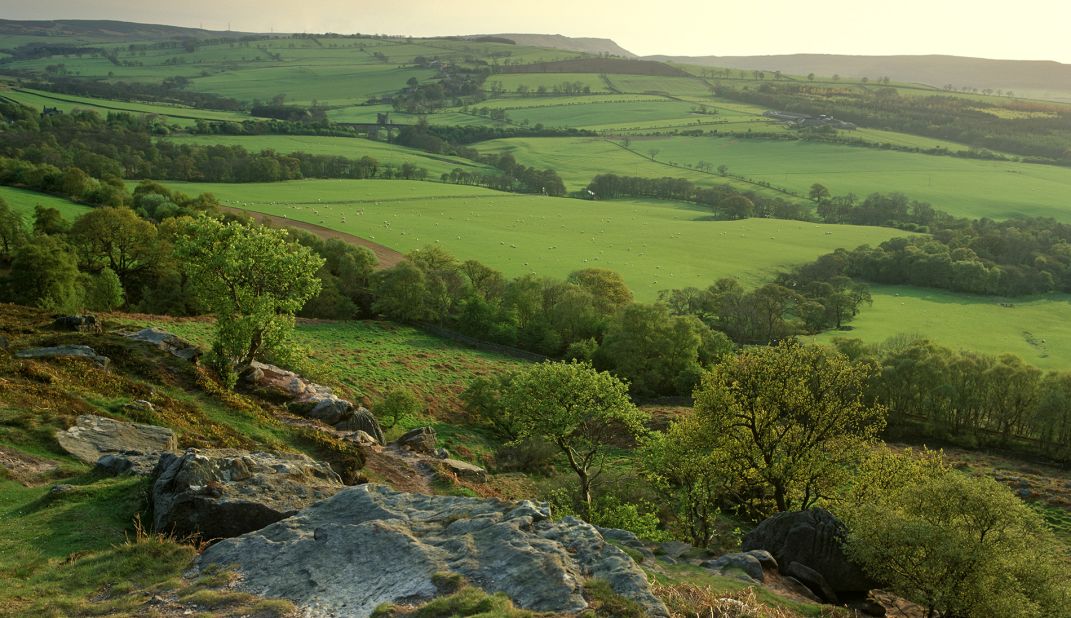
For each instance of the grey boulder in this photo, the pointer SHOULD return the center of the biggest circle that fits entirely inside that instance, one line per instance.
(812, 538)
(362, 420)
(220, 493)
(65, 351)
(79, 323)
(173, 344)
(369, 545)
(135, 464)
(420, 440)
(745, 563)
(93, 437)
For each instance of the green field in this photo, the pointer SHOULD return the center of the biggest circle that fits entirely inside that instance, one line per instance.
(184, 116)
(349, 147)
(963, 187)
(654, 245)
(1034, 328)
(23, 202)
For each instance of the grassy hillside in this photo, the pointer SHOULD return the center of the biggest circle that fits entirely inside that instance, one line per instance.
(654, 245)
(1034, 328)
(23, 202)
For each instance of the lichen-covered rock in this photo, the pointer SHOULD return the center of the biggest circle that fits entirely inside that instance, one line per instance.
(65, 351)
(92, 437)
(168, 342)
(369, 545)
(220, 493)
(813, 538)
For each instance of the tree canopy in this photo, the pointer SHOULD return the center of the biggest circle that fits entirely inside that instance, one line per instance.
(252, 278)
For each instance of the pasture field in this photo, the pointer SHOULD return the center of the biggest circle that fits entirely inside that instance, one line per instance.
(654, 245)
(963, 187)
(579, 159)
(349, 147)
(23, 202)
(303, 84)
(177, 114)
(1035, 328)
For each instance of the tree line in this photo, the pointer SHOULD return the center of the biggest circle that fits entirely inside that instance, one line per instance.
(726, 201)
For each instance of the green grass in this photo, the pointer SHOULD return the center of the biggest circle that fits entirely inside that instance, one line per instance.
(303, 84)
(654, 245)
(369, 358)
(23, 202)
(352, 148)
(1035, 328)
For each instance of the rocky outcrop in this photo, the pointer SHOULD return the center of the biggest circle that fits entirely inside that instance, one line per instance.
(93, 437)
(172, 344)
(78, 323)
(362, 420)
(310, 399)
(419, 440)
(65, 351)
(369, 545)
(131, 463)
(222, 493)
(462, 469)
(813, 539)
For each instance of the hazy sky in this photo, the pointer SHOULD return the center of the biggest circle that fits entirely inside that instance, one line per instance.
(1025, 29)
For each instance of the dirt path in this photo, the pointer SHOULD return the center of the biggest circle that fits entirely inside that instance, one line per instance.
(386, 256)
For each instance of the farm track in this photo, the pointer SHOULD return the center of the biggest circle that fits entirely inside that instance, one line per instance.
(385, 256)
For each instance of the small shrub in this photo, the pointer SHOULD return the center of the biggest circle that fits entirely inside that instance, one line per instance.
(398, 404)
(603, 601)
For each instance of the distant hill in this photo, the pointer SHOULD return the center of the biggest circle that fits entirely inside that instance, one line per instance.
(105, 29)
(557, 41)
(1018, 75)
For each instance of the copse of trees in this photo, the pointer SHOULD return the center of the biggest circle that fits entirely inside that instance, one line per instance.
(958, 545)
(725, 200)
(794, 305)
(968, 398)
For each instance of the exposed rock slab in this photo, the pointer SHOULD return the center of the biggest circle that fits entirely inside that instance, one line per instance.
(369, 545)
(220, 493)
(463, 469)
(168, 342)
(93, 437)
(65, 351)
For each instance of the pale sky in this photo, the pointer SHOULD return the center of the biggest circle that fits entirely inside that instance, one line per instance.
(1025, 29)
